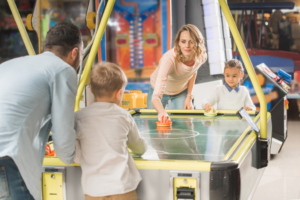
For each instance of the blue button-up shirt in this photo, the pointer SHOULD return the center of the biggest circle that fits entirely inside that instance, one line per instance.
(230, 88)
(37, 94)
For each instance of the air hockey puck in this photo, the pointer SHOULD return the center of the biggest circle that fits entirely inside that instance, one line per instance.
(167, 123)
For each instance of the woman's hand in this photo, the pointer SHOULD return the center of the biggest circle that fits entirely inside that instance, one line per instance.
(247, 108)
(161, 115)
(207, 107)
(188, 104)
(161, 111)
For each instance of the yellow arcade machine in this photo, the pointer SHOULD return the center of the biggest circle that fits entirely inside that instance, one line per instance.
(218, 157)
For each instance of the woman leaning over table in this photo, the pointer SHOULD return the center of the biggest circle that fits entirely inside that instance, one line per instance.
(174, 78)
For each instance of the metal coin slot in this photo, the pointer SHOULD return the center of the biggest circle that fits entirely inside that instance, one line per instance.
(185, 193)
(184, 185)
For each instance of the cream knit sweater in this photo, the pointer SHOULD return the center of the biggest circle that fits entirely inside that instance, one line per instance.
(171, 77)
(229, 100)
(103, 131)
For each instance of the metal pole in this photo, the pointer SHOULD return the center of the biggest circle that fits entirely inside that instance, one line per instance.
(93, 52)
(245, 57)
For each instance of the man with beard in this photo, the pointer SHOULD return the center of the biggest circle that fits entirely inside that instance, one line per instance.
(37, 94)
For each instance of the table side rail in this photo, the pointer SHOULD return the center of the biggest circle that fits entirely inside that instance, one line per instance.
(247, 144)
(184, 111)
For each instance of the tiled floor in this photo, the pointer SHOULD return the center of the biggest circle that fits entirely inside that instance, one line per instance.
(281, 179)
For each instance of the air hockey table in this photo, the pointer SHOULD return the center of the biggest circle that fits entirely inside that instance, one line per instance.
(197, 158)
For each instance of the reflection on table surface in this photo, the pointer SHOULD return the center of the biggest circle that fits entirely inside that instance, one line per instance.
(191, 137)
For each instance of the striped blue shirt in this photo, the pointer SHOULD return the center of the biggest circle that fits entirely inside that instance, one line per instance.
(37, 95)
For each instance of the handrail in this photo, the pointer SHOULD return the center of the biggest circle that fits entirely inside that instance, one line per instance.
(245, 57)
(21, 27)
(93, 52)
(261, 6)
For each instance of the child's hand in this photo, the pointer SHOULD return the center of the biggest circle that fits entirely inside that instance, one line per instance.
(247, 108)
(207, 107)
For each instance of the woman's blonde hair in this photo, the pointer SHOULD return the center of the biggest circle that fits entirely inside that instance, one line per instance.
(197, 39)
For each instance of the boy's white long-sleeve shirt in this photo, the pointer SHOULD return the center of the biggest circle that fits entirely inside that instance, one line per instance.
(230, 100)
(103, 130)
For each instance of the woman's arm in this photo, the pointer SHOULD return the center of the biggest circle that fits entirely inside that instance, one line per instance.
(165, 67)
(188, 101)
(160, 110)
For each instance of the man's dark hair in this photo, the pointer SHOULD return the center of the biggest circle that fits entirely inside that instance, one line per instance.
(63, 37)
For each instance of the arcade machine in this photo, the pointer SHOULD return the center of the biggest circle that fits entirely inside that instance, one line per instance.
(275, 88)
(11, 43)
(139, 35)
(221, 156)
(47, 13)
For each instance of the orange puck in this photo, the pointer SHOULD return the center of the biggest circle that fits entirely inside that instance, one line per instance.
(164, 124)
(168, 123)
(164, 129)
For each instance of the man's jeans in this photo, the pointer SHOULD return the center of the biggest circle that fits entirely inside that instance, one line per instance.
(12, 186)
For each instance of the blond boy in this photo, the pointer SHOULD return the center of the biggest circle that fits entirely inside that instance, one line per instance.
(103, 131)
